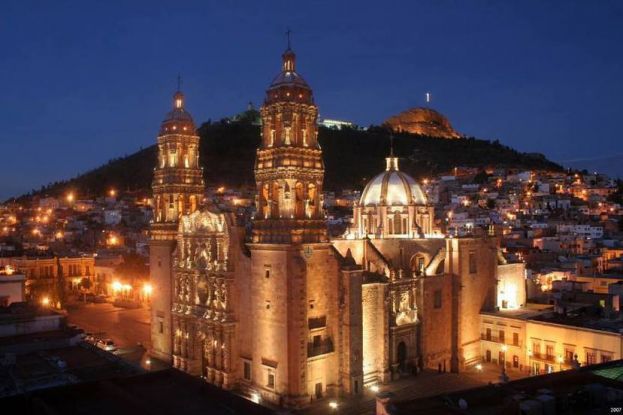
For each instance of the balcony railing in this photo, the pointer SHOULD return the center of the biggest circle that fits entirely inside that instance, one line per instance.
(504, 340)
(319, 348)
(543, 356)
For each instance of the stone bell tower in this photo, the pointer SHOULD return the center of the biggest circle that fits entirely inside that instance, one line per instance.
(294, 275)
(178, 189)
(289, 169)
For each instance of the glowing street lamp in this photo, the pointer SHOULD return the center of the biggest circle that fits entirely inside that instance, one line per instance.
(147, 289)
(112, 193)
(45, 301)
(70, 197)
(333, 405)
(117, 286)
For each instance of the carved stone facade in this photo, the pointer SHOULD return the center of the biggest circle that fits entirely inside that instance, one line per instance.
(203, 309)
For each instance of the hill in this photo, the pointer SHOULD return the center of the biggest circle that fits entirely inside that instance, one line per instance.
(227, 152)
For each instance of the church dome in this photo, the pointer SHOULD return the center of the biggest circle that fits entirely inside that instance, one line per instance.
(423, 121)
(289, 85)
(178, 120)
(392, 188)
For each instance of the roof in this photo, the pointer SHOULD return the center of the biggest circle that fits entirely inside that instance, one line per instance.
(158, 393)
(392, 188)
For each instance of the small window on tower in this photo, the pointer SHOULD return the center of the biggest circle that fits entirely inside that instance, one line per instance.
(437, 299)
(267, 274)
(472, 263)
(247, 370)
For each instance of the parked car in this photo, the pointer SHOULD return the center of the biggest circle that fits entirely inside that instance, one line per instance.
(107, 344)
(99, 299)
(89, 337)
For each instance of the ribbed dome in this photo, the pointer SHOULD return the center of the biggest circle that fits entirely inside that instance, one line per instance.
(178, 120)
(392, 188)
(289, 85)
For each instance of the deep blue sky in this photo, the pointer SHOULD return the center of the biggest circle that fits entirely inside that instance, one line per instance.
(82, 82)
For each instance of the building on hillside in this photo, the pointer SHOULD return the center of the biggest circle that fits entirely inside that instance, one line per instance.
(43, 274)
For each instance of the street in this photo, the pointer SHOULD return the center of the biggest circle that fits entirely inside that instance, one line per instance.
(128, 328)
(425, 384)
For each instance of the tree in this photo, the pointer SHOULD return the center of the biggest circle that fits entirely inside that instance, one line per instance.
(481, 178)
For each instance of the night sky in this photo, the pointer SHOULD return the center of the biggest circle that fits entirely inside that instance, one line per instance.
(83, 82)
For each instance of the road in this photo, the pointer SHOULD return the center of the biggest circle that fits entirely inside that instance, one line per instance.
(128, 328)
(427, 383)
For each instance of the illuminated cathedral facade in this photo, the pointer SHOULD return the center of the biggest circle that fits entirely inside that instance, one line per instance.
(286, 314)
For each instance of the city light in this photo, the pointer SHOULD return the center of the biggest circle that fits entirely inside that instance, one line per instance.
(255, 397)
(112, 193)
(147, 289)
(374, 388)
(70, 197)
(8, 270)
(333, 405)
(117, 286)
(45, 301)
(479, 367)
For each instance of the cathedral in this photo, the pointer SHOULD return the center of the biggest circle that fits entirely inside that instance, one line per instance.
(285, 314)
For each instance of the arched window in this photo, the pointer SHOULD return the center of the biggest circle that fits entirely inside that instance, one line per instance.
(397, 223)
(263, 208)
(275, 200)
(299, 206)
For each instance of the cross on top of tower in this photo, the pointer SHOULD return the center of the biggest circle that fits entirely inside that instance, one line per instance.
(288, 33)
(428, 97)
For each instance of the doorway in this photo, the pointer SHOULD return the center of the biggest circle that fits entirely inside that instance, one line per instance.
(402, 356)
(318, 390)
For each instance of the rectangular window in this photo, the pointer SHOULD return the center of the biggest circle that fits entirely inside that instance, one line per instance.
(437, 299)
(472, 263)
(488, 334)
(247, 370)
(591, 358)
(568, 355)
(271, 380)
(161, 327)
(516, 339)
(605, 358)
(501, 336)
(549, 351)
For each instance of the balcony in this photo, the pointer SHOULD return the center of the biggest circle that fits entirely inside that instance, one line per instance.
(544, 357)
(324, 346)
(499, 340)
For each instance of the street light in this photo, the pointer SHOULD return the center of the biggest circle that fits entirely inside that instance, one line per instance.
(45, 301)
(333, 405)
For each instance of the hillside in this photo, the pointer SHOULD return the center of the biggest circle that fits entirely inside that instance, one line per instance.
(351, 158)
